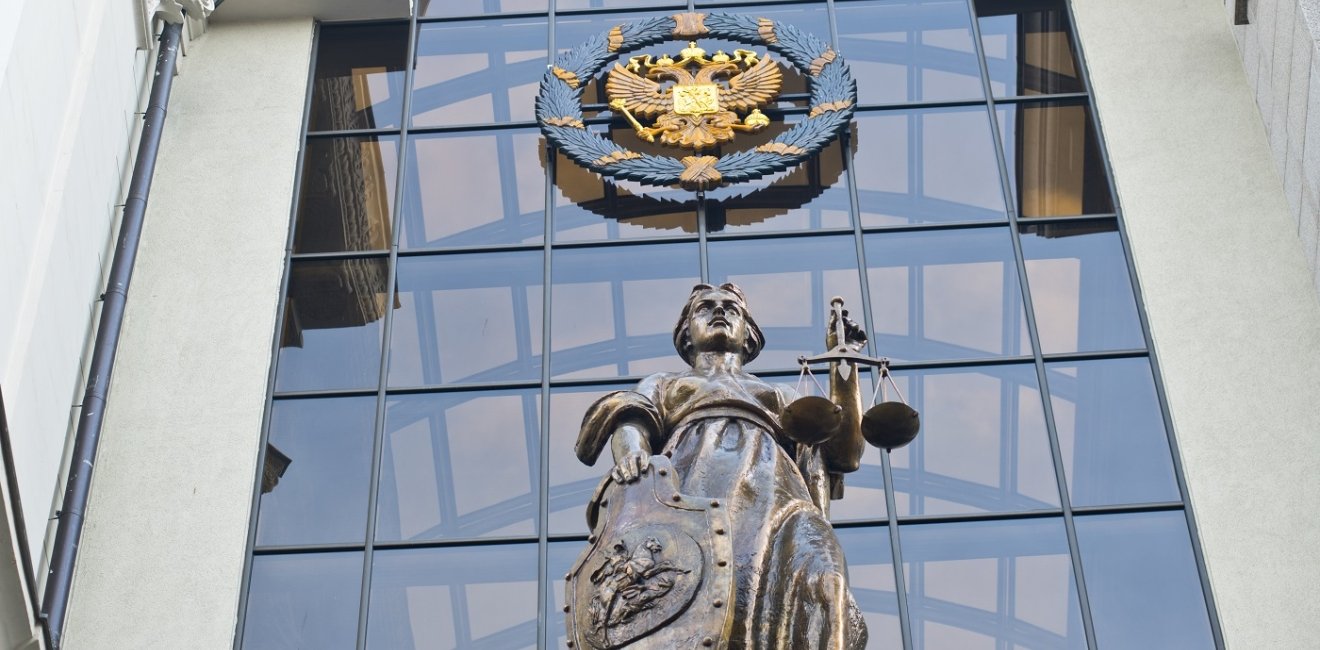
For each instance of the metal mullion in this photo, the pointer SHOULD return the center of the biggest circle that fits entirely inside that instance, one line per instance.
(289, 549)
(475, 248)
(932, 226)
(547, 284)
(352, 133)
(264, 440)
(779, 234)
(301, 394)
(703, 240)
(335, 256)
(463, 388)
(604, 243)
(592, 11)
(1202, 571)
(387, 325)
(1043, 98)
(478, 17)
(1058, 357)
(452, 542)
(922, 104)
(510, 125)
(1033, 334)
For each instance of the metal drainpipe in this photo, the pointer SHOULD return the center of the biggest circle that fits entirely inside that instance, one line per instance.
(69, 531)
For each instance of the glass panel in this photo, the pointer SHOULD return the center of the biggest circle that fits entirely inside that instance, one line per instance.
(992, 584)
(1027, 49)
(472, 189)
(945, 295)
(932, 165)
(308, 600)
(460, 597)
(437, 8)
(346, 201)
(459, 465)
(468, 318)
(358, 82)
(1111, 433)
(569, 5)
(983, 445)
(588, 208)
(464, 76)
(614, 309)
(1080, 287)
(1142, 582)
(871, 578)
(909, 51)
(571, 482)
(323, 447)
(1054, 156)
(789, 283)
(558, 563)
(332, 325)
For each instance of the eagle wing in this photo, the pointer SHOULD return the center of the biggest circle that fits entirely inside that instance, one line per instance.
(752, 88)
(641, 95)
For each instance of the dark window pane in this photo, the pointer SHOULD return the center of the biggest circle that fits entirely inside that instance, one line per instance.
(464, 76)
(308, 600)
(1111, 434)
(932, 165)
(462, 597)
(614, 309)
(571, 482)
(789, 283)
(945, 295)
(332, 325)
(909, 51)
(992, 584)
(325, 446)
(1142, 582)
(1080, 287)
(459, 465)
(346, 201)
(467, 318)
(1027, 49)
(871, 578)
(472, 189)
(1053, 154)
(358, 83)
(436, 8)
(983, 445)
(588, 208)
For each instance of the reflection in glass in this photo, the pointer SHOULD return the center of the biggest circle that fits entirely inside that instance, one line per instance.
(332, 325)
(464, 76)
(1079, 287)
(571, 482)
(909, 50)
(346, 200)
(306, 600)
(930, 165)
(945, 295)
(358, 82)
(992, 584)
(789, 283)
(459, 597)
(437, 8)
(1111, 433)
(459, 465)
(472, 189)
(467, 318)
(613, 308)
(983, 445)
(559, 561)
(322, 496)
(871, 577)
(1053, 155)
(1142, 582)
(569, 5)
(1028, 48)
(588, 208)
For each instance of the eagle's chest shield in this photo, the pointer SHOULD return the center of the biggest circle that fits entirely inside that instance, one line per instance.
(696, 99)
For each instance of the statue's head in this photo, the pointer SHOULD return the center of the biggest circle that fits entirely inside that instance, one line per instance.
(716, 319)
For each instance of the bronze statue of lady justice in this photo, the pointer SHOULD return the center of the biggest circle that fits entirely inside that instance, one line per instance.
(712, 529)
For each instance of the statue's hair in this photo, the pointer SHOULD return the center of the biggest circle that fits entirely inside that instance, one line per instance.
(752, 344)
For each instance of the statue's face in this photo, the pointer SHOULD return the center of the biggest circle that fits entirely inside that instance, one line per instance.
(718, 322)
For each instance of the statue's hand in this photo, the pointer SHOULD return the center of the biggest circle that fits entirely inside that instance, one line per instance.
(631, 466)
(854, 335)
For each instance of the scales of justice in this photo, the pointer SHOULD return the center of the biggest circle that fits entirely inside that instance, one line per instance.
(711, 529)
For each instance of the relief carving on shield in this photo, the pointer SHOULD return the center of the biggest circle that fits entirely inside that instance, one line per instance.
(657, 572)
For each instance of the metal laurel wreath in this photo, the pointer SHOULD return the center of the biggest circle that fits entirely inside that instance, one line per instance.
(559, 107)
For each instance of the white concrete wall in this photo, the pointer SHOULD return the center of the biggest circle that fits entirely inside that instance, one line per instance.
(163, 548)
(1230, 298)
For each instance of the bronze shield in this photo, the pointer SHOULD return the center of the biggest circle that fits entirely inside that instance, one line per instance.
(658, 570)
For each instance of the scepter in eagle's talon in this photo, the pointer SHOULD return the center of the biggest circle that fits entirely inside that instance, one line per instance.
(642, 132)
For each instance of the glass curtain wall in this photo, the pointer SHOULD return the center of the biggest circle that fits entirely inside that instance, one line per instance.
(458, 293)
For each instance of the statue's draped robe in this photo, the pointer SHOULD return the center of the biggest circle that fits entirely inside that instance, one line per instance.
(723, 436)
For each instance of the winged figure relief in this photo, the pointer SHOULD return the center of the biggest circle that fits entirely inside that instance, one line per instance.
(695, 101)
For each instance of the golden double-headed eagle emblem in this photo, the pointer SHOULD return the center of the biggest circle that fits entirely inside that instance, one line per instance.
(696, 101)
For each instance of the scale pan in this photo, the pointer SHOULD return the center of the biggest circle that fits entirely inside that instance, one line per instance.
(890, 425)
(811, 420)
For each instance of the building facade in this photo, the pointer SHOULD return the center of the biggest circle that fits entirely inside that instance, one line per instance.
(371, 306)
